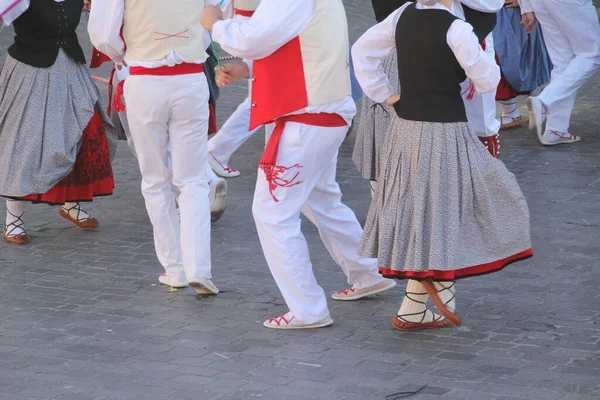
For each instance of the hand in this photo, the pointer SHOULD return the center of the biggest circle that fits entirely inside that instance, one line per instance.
(511, 3)
(392, 100)
(232, 72)
(87, 4)
(210, 15)
(528, 21)
(1, 22)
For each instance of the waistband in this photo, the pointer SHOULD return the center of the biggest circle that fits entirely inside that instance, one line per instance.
(243, 13)
(179, 69)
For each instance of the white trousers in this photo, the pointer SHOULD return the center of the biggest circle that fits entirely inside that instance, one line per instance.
(172, 111)
(572, 36)
(481, 109)
(233, 134)
(319, 198)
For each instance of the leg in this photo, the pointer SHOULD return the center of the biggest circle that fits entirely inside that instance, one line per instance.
(79, 217)
(230, 137)
(572, 34)
(341, 233)
(148, 110)
(188, 127)
(414, 314)
(510, 117)
(14, 231)
(278, 223)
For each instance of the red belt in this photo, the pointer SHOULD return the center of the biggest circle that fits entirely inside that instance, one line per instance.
(268, 162)
(243, 13)
(179, 69)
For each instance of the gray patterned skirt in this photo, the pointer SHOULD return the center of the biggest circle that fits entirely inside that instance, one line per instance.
(373, 126)
(43, 113)
(444, 208)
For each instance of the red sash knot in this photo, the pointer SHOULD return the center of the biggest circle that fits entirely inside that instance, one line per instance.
(268, 162)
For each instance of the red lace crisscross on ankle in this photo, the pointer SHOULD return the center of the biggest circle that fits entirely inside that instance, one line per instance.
(562, 135)
(226, 169)
(280, 319)
(347, 291)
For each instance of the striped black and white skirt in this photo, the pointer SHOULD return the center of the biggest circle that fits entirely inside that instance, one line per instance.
(373, 126)
(444, 207)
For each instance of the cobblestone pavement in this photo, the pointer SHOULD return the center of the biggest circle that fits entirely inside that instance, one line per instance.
(82, 316)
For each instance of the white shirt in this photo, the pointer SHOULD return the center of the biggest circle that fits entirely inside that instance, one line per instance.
(104, 27)
(274, 23)
(526, 6)
(379, 42)
(16, 10)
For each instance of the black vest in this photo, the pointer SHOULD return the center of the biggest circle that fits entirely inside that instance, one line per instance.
(430, 75)
(43, 29)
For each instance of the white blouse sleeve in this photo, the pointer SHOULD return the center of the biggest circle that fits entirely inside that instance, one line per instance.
(479, 66)
(368, 54)
(486, 6)
(274, 23)
(104, 27)
(12, 9)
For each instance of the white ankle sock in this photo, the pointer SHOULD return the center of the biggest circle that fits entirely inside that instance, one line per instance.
(447, 293)
(509, 108)
(75, 211)
(414, 306)
(14, 212)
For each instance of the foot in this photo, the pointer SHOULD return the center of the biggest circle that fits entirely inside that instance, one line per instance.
(218, 198)
(432, 322)
(442, 306)
(537, 116)
(507, 122)
(552, 138)
(289, 321)
(78, 217)
(356, 294)
(14, 231)
(204, 286)
(222, 169)
(169, 280)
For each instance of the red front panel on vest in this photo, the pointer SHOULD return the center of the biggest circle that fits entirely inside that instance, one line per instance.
(279, 85)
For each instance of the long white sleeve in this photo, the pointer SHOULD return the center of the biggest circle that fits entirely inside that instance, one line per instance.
(104, 27)
(526, 6)
(274, 23)
(368, 54)
(479, 66)
(12, 9)
(486, 6)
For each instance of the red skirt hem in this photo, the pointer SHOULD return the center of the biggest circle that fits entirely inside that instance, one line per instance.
(73, 194)
(453, 275)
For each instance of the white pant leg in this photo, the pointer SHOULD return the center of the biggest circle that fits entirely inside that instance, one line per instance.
(188, 129)
(233, 134)
(340, 231)
(148, 111)
(278, 223)
(481, 109)
(572, 35)
(163, 111)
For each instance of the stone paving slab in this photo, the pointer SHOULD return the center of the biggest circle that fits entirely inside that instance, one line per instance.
(82, 316)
